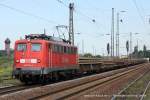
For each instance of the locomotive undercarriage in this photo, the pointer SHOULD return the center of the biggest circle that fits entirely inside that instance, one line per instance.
(43, 76)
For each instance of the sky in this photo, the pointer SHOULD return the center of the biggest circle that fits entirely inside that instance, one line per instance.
(21, 17)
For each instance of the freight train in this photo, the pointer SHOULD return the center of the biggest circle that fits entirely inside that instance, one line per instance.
(40, 57)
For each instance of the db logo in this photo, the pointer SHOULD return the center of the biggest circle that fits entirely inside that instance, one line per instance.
(28, 61)
(65, 60)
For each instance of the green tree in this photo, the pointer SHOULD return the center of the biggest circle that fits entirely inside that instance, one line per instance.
(98, 56)
(135, 50)
(88, 55)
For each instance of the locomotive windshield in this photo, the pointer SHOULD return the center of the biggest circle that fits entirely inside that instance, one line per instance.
(22, 47)
(35, 47)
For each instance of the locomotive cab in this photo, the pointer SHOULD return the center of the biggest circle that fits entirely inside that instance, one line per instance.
(28, 58)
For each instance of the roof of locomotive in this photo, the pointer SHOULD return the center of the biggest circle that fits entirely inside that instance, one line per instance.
(44, 38)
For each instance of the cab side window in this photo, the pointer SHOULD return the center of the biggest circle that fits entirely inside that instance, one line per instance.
(65, 49)
(35, 47)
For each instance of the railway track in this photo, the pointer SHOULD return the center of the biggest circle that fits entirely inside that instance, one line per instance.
(11, 89)
(70, 88)
(73, 91)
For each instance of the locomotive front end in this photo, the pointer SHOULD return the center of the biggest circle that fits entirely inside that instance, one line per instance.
(28, 60)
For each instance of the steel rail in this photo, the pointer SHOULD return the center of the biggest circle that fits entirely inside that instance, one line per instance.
(145, 91)
(138, 78)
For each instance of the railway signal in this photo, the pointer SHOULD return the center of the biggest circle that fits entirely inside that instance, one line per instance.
(108, 48)
(127, 47)
(7, 46)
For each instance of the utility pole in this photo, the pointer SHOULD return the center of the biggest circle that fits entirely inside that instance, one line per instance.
(112, 34)
(117, 36)
(82, 47)
(93, 50)
(71, 27)
(44, 31)
(137, 44)
(118, 33)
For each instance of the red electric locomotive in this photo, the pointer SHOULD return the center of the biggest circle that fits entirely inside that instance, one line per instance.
(42, 57)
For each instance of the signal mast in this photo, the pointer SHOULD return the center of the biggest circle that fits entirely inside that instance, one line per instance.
(71, 27)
